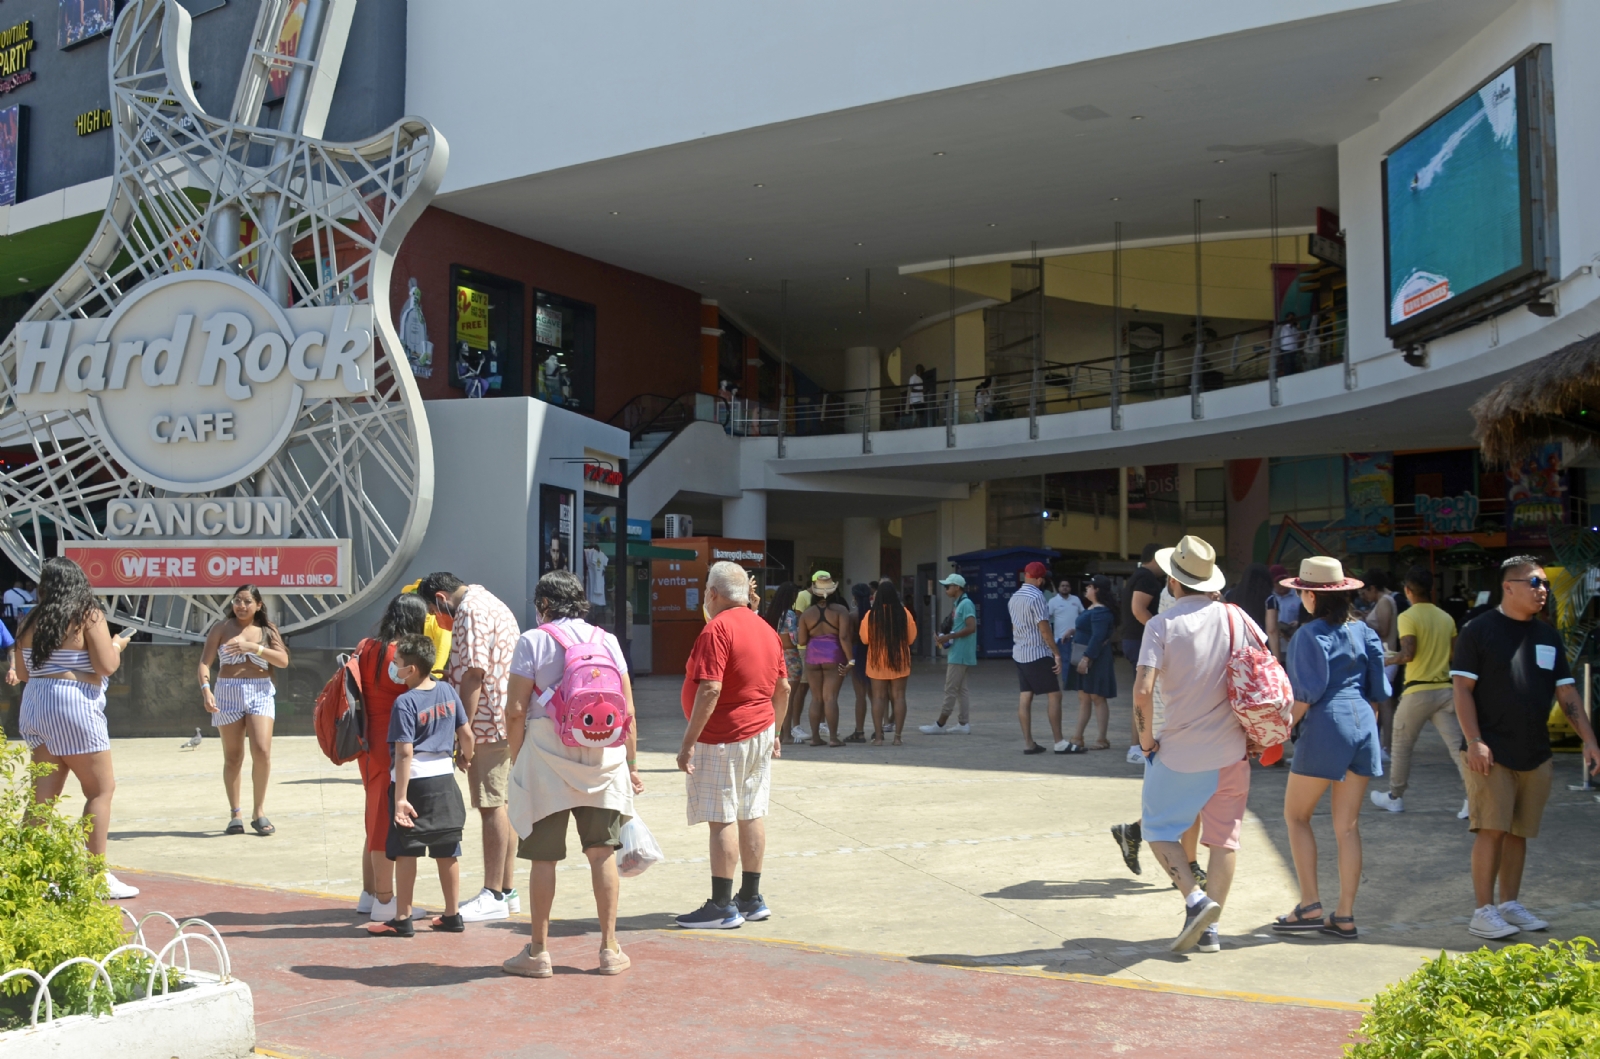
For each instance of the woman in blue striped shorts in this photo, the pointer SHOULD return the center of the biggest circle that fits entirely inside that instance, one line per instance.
(67, 654)
(246, 645)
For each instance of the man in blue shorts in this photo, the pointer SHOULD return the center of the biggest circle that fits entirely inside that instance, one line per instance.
(1195, 763)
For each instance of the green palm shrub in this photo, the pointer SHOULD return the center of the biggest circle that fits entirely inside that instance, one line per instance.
(1520, 1002)
(53, 903)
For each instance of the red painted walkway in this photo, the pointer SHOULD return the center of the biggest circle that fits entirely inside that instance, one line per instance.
(323, 988)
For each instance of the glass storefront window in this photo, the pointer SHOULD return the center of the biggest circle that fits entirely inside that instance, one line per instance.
(563, 351)
(485, 334)
(600, 566)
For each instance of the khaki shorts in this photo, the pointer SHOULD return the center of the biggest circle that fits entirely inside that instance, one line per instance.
(596, 827)
(1508, 800)
(489, 774)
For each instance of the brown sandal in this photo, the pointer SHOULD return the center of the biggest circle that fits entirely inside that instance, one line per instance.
(1098, 746)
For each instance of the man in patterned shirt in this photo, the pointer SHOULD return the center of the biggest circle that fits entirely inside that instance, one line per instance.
(484, 634)
(1033, 648)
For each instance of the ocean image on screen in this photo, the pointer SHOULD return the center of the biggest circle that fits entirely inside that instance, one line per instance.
(1455, 202)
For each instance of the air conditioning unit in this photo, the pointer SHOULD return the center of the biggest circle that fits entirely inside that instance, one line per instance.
(679, 525)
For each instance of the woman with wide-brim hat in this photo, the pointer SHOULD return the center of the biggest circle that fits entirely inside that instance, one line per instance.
(826, 638)
(1335, 664)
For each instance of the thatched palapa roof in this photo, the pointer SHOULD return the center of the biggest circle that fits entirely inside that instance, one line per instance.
(1555, 398)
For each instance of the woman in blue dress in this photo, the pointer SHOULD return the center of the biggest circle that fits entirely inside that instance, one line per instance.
(1335, 664)
(1093, 678)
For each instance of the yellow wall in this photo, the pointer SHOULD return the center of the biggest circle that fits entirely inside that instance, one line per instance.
(930, 347)
(1158, 279)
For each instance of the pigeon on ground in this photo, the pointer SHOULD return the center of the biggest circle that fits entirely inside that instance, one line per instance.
(192, 742)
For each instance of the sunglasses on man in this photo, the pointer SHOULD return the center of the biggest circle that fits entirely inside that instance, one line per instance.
(1535, 583)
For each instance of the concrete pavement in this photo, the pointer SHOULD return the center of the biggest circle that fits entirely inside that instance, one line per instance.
(954, 850)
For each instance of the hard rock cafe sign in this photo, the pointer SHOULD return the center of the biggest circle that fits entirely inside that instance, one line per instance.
(204, 408)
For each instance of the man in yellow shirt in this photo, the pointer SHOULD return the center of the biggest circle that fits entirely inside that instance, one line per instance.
(440, 637)
(1426, 636)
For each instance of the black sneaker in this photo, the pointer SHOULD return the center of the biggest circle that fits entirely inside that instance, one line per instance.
(1196, 918)
(1198, 872)
(753, 910)
(394, 928)
(449, 924)
(1128, 839)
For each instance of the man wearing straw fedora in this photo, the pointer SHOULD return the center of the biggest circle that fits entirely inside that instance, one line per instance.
(1195, 763)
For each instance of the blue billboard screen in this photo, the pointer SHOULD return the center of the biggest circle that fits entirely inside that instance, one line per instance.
(1455, 202)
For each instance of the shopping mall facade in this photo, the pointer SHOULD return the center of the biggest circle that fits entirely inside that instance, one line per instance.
(862, 289)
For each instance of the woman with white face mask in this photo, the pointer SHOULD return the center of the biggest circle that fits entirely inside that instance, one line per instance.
(406, 615)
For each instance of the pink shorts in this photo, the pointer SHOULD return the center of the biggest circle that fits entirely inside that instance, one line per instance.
(1223, 813)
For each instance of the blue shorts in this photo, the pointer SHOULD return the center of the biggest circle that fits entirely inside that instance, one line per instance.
(1338, 737)
(1171, 801)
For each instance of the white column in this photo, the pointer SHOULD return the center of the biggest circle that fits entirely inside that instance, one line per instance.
(745, 517)
(861, 372)
(862, 554)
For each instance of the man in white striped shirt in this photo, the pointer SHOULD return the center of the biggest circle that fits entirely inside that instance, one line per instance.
(1033, 648)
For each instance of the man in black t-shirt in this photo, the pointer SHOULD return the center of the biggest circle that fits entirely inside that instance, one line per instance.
(1141, 596)
(1506, 668)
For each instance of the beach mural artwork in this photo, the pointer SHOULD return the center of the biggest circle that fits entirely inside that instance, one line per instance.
(1369, 502)
(1535, 488)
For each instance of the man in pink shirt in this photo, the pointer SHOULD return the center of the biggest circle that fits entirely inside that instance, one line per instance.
(1195, 763)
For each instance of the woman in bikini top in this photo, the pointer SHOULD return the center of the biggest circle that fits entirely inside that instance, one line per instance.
(826, 637)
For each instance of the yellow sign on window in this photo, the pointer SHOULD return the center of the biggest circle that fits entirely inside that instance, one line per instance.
(472, 317)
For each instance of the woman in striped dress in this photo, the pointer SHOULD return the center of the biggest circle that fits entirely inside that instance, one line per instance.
(246, 645)
(67, 654)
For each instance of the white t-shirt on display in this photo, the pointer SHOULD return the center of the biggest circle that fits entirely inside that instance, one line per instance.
(595, 562)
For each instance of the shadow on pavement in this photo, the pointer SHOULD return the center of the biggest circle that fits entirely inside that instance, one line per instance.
(1080, 889)
(397, 975)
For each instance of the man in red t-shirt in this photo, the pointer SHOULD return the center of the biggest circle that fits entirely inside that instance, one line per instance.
(734, 686)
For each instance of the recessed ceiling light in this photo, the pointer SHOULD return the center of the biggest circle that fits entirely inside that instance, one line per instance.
(1137, 117)
(858, 244)
(1115, 198)
(761, 185)
(1374, 79)
(847, 279)
(1221, 161)
(1222, 216)
(613, 213)
(991, 224)
(936, 154)
(749, 259)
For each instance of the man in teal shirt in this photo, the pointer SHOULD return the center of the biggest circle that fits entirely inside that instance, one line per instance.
(961, 655)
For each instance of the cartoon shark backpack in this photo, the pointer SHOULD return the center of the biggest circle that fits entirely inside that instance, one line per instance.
(587, 705)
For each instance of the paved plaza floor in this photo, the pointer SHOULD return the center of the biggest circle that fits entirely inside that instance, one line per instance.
(891, 871)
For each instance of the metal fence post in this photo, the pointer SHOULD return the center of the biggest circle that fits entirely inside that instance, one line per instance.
(1116, 328)
(1272, 366)
(950, 416)
(1344, 352)
(1197, 408)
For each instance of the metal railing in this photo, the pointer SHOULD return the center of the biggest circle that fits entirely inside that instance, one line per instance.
(1267, 352)
(1264, 353)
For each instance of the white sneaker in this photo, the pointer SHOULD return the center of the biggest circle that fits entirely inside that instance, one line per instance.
(960, 729)
(364, 905)
(513, 902)
(822, 729)
(1385, 800)
(1061, 747)
(802, 732)
(1465, 813)
(1513, 912)
(1487, 922)
(485, 906)
(119, 890)
(1135, 755)
(933, 729)
(383, 911)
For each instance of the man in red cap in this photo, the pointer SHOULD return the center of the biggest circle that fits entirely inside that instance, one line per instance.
(1033, 648)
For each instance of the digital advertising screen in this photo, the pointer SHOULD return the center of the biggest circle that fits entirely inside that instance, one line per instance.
(1458, 203)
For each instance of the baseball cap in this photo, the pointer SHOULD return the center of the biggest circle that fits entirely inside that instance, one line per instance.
(955, 579)
(1036, 570)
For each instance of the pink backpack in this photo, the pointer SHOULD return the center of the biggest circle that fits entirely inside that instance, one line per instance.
(587, 704)
(1258, 689)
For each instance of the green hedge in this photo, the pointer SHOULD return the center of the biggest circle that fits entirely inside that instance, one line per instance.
(53, 902)
(1520, 1002)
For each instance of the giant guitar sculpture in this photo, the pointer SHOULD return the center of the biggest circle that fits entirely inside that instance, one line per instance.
(217, 384)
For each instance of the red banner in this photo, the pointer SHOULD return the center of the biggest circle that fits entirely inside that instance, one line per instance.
(283, 567)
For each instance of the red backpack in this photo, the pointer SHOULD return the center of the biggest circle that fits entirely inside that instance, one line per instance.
(340, 716)
(1258, 688)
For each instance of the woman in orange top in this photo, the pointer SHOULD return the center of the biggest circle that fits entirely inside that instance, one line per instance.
(888, 630)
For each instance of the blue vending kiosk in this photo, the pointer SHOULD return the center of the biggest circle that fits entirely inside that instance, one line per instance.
(992, 576)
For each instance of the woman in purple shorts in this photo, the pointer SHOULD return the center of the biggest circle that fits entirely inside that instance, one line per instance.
(825, 637)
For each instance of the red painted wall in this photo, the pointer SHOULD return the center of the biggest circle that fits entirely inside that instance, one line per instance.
(647, 332)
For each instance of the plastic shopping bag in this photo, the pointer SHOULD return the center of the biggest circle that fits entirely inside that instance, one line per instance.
(639, 849)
